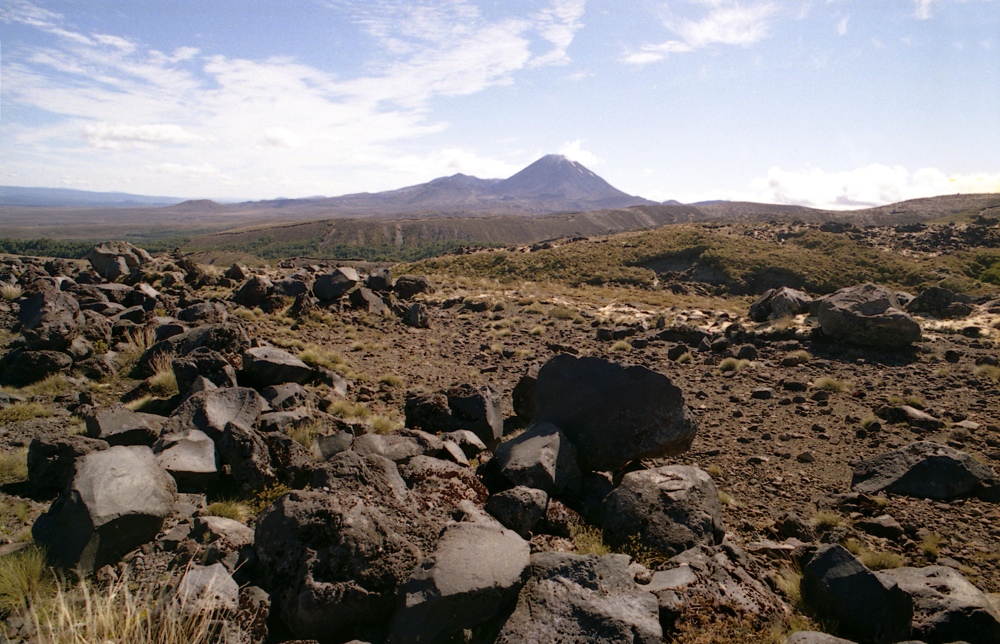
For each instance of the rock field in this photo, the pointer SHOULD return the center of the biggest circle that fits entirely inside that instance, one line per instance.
(329, 453)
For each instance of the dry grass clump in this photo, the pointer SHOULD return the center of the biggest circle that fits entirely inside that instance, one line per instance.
(589, 540)
(684, 358)
(826, 520)
(392, 380)
(931, 546)
(725, 498)
(11, 292)
(715, 625)
(163, 382)
(831, 384)
(872, 559)
(348, 411)
(23, 411)
(228, 509)
(538, 329)
(799, 356)
(989, 372)
(382, 424)
(315, 356)
(24, 578)
(136, 343)
(621, 345)
(306, 433)
(732, 364)
(13, 466)
(85, 613)
(560, 312)
(534, 309)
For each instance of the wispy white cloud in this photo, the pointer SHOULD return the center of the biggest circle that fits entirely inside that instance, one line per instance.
(923, 8)
(111, 94)
(872, 185)
(573, 150)
(842, 26)
(727, 22)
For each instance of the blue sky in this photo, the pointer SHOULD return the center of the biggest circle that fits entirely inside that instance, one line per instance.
(831, 103)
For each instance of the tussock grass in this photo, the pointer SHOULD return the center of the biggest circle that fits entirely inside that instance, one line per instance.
(621, 345)
(733, 364)
(588, 540)
(989, 372)
(315, 356)
(136, 343)
(800, 356)
(24, 578)
(714, 470)
(831, 384)
(11, 292)
(684, 358)
(306, 433)
(23, 411)
(931, 546)
(560, 312)
(163, 382)
(727, 499)
(52, 386)
(86, 613)
(229, 509)
(392, 380)
(349, 411)
(382, 424)
(141, 403)
(540, 330)
(13, 466)
(826, 520)
(880, 560)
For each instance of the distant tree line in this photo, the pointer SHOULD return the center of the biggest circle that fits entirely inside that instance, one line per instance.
(267, 247)
(76, 248)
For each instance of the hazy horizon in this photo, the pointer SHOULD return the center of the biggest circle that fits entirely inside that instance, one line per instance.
(831, 104)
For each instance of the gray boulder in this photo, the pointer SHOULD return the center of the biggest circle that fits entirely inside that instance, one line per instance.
(334, 556)
(911, 416)
(542, 457)
(865, 607)
(227, 339)
(582, 598)
(940, 302)
(116, 258)
(670, 509)
(519, 508)
(265, 366)
(333, 286)
(474, 573)
(379, 279)
(189, 457)
(253, 292)
(367, 300)
(203, 363)
(52, 458)
(612, 413)
(207, 590)
(417, 316)
(442, 486)
(20, 367)
(868, 315)
(121, 426)
(947, 607)
(409, 286)
(204, 313)
(116, 502)
(399, 446)
(211, 410)
(50, 320)
(476, 409)
(245, 452)
(814, 637)
(779, 303)
(923, 470)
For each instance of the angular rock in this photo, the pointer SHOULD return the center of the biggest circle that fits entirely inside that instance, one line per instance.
(116, 502)
(815, 637)
(368, 301)
(189, 457)
(946, 607)
(211, 410)
(254, 292)
(470, 444)
(114, 258)
(380, 279)
(670, 509)
(50, 320)
(52, 458)
(266, 366)
(332, 286)
(205, 313)
(417, 316)
(20, 367)
(227, 339)
(543, 458)
(293, 463)
(333, 557)
(864, 606)
(203, 362)
(612, 413)
(868, 315)
(519, 508)
(464, 407)
(474, 573)
(779, 303)
(121, 426)
(582, 598)
(285, 396)
(911, 416)
(232, 534)
(923, 470)
(207, 589)
(399, 446)
(409, 286)
(442, 486)
(245, 451)
(940, 302)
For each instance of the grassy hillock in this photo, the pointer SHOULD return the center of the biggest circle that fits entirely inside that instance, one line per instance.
(729, 256)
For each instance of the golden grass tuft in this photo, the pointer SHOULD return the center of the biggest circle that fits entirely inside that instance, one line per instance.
(24, 578)
(989, 372)
(315, 356)
(826, 520)
(13, 466)
(621, 345)
(228, 509)
(23, 411)
(831, 384)
(11, 292)
(392, 380)
(163, 382)
(588, 540)
(732, 364)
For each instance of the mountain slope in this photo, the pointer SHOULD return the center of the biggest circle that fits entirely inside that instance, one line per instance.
(66, 197)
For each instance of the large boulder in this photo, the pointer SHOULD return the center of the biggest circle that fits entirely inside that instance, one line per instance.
(869, 315)
(266, 366)
(117, 501)
(779, 303)
(409, 286)
(227, 339)
(474, 573)
(923, 470)
(669, 509)
(947, 607)
(20, 367)
(245, 452)
(114, 259)
(865, 607)
(542, 457)
(211, 410)
(334, 556)
(476, 409)
(582, 598)
(332, 286)
(940, 302)
(612, 413)
(190, 457)
(207, 589)
(122, 426)
(50, 320)
(253, 292)
(203, 363)
(52, 458)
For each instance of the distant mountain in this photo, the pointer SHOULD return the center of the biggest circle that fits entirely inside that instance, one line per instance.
(65, 197)
(550, 185)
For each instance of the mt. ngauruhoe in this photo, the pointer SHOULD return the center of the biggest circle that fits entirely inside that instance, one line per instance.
(550, 185)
